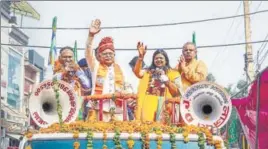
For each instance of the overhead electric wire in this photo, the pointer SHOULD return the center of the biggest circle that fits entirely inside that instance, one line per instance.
(263, 58)
(149, 25)
(263, 45)
(260, 50)
(213, 64)
(257, 8)
(129, 49)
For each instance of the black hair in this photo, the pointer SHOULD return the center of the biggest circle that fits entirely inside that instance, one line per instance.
(164, 53)
(65, 48)
(96, 52)
(133, 61)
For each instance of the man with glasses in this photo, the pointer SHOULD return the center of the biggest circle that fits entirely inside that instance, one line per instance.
(107, 75)
(191, 69)
(67, 70)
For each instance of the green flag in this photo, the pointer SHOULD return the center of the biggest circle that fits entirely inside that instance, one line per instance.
(193, 38)
(232, 129)
(194, 41)
(75, 51)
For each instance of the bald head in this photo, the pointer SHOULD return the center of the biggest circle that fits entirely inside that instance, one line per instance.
(189, 51)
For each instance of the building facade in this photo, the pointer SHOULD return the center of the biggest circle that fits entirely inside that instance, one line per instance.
(14, 67)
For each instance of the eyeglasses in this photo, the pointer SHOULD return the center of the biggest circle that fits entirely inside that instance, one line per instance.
(107, 54)
(190, 50)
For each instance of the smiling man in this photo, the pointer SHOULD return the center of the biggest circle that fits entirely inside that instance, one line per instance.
(191, 69)
(107, 76)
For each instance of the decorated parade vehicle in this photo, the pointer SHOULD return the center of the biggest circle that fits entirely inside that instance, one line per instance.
(205, 107)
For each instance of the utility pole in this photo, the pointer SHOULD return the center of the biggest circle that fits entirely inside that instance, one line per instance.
(248, 55)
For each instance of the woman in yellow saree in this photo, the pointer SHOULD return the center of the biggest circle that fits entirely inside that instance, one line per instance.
(157, 83)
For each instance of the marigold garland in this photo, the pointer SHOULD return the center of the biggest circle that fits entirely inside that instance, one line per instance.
(116, 139)
(159, 138)
(132, 126)
(89, 139)
(201, 140)
(173, 140)
(29, 136)
(76, 145)
(104, 140)
(145, 139)
(57, 95)
(117, 95)
(130, 142)
(76, 142)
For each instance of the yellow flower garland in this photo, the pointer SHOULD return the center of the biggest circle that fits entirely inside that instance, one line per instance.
(29, 136)
(129, 126)
(76, 136)
(104, 140)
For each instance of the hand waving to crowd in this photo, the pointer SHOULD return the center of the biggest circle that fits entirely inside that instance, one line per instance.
(95, 27)
(142, 49)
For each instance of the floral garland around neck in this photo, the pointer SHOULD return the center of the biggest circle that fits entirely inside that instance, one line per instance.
(155, 87)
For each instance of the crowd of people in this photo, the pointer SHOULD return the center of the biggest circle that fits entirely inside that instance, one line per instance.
(98, 74)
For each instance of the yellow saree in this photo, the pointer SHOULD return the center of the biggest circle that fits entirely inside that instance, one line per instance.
(148, 104)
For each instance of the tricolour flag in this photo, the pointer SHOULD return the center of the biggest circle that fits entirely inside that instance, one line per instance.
(53, 48)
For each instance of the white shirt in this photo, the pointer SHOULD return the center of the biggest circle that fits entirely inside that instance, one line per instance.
(108, 86)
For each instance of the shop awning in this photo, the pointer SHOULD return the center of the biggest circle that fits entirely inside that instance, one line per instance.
(25, 9)
(10, 111)
(14, 136)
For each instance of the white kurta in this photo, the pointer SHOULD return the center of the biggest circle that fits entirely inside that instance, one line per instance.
(108, 87)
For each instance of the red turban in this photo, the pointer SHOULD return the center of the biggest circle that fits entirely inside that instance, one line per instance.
(106, 43)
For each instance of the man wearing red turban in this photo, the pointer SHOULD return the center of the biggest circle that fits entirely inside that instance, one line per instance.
(107, 76)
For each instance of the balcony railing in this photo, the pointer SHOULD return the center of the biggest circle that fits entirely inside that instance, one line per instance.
(5, 9)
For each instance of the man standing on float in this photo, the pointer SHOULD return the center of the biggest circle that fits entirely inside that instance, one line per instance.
(67, 70)
(192, 70)
(107, 76)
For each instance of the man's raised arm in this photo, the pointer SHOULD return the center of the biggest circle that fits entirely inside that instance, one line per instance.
(94, 29)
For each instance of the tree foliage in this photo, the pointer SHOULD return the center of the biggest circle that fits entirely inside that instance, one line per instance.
(211, 78)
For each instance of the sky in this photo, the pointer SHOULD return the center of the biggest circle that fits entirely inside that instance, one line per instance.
(225, 63)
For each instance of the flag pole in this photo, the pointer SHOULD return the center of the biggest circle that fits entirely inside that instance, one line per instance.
(75, 51)
(53, 48)
(194, 41)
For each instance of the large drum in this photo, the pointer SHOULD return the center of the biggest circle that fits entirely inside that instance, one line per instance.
(43, 104)
(206, 104)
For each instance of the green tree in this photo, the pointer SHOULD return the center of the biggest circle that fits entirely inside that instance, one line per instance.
(229, 89)
(241, 88)
(211, 78)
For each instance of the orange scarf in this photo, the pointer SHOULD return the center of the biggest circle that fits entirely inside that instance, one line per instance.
(101, 76)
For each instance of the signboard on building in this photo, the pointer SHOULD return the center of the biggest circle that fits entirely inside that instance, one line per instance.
(13, 41)
(4, 70)
(14, 79)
